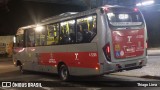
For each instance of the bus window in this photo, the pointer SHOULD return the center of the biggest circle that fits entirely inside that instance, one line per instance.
(20, 40)
(86, 29)
(52, 34)
(40, 37)
(67, 32)
(30, 38)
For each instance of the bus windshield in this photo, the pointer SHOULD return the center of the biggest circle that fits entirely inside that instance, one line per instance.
(124, 17)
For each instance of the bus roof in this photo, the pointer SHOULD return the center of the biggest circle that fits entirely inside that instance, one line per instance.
(66, 16)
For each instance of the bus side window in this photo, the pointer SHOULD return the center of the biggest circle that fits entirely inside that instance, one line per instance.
(93, 29)
(67, 32)
(19, 40)
(79, 33)
(53, 34)
(30, 38)
(86, 29)
(40, 37)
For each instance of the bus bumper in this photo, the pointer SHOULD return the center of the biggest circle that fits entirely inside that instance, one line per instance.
(124, 66)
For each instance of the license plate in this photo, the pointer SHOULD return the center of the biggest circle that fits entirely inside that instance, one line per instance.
(132, 49)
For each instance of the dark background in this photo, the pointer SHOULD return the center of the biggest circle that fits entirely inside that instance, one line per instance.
(21, 13)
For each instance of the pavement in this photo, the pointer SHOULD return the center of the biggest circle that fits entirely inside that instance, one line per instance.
(151, 70)
(5, 59)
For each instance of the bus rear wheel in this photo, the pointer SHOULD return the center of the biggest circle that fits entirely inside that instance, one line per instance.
(64, 73)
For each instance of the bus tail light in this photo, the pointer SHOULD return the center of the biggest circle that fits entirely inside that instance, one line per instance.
(107, 51)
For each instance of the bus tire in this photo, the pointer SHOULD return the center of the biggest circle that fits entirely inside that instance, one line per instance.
(64, 73)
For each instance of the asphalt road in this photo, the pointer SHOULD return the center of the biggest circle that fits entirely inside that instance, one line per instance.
(152, 69)
(8, 72)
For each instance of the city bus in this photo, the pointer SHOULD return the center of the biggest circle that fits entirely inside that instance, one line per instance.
(95, 42)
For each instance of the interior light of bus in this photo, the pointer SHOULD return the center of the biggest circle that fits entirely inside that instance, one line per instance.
(72, 22)
(39, 28)
(63, 23)
(89, 18)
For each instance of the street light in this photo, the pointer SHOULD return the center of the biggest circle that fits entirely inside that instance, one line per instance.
(39, 28)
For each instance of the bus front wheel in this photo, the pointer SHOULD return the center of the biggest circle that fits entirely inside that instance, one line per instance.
(64, 73)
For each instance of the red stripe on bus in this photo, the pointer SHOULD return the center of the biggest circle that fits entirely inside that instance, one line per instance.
(72, 59)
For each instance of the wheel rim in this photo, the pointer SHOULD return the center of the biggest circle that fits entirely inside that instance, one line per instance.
(64, 73)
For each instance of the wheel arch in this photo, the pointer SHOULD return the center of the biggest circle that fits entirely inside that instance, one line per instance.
(59, 65)
(18, 63)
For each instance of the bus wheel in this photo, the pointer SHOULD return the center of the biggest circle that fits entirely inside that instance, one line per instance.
(64, 73)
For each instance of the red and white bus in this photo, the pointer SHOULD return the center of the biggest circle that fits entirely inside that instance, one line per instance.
(94, 42)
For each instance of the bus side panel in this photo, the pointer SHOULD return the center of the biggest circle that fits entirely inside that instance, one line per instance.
(18, 53)
(46, 59)
(79, 63)
(81, 59)
(85, 59)
(103, 35)
(29, 59)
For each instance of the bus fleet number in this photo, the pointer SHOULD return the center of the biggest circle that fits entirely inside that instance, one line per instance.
(93, 54)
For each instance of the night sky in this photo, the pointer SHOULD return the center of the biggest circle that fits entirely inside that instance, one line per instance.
(20, 13)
